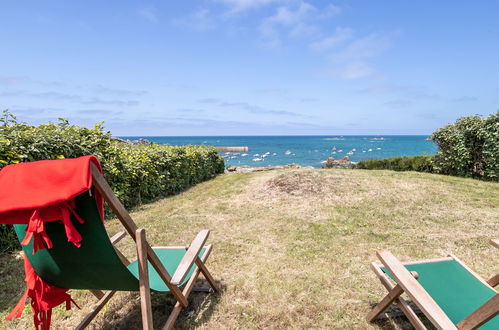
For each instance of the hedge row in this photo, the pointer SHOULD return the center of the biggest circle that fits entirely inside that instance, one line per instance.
(469, 148)
(422, 163)
(136, 173)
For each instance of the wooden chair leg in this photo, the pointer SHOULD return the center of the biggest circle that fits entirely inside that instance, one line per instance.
(189, 288)
(206, 273)
(204, 270)
(401, 302)
(395, 314)
(97, 293)
(178, 307)
(97, 308)
(385, 303)
(145, 292)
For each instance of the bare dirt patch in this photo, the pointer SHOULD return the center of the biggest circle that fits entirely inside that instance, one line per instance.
(304, 183)
(299, 183)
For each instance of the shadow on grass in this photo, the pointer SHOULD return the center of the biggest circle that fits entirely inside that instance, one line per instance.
(399, 322)
(12, 275)
(199, 311)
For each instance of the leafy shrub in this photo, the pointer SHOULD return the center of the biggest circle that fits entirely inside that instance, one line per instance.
(422, 163)
(136, 173)
(469, 148)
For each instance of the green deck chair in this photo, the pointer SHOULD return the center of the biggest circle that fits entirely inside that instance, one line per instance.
(447, 291)
(98, 265)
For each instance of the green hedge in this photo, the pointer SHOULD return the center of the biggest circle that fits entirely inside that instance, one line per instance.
(136, 173)
(422, 163)
(469, 148)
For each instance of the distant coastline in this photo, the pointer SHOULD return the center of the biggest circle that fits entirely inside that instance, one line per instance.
(305, 150)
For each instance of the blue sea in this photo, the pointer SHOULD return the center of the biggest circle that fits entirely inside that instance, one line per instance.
(307, 151)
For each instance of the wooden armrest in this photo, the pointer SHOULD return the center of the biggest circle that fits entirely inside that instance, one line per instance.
(481, 315)
(414, 290)
(493, 281)
(495, 242)
(117, 237)
(190, 257)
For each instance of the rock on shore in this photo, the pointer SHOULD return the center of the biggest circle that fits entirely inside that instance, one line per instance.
(260, 169)
(330, 162)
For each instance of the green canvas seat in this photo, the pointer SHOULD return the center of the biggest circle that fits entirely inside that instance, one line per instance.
(449, 294)
(170, 258)
(95, 265)
(457, 291)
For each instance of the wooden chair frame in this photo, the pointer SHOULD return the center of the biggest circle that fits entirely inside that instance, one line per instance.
(407, 282)
(146, 253)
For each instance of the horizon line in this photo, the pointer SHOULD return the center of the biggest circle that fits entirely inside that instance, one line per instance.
(332, 135)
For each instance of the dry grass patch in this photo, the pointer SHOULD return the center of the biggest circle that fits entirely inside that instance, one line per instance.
(292, 247)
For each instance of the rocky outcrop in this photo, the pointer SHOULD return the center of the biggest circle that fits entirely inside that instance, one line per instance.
(330, 162)
(246, 168)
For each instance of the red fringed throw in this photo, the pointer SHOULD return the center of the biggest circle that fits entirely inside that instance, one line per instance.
(37, 192)
(43, 298)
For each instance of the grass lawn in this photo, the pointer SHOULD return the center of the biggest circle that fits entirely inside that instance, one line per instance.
(292, 248)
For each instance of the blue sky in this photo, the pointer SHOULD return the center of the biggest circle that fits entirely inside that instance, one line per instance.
(250, 67)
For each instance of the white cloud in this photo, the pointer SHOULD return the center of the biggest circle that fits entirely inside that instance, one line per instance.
(330, 11)
(149, 13)
(465, 99)
(356, 69)
(287, 16)
(399, 103)
(199, 20)
(339, 36)
(415, 92)
(365, 47)
(239, 6)
(250, 108)
(290, 20)
(351, 61)
(303, 30)
(14, 80)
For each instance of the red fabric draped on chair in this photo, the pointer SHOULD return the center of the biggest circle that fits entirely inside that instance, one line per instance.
(35, 193)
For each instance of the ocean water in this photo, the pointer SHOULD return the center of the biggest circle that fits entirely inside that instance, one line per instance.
(305, 150)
